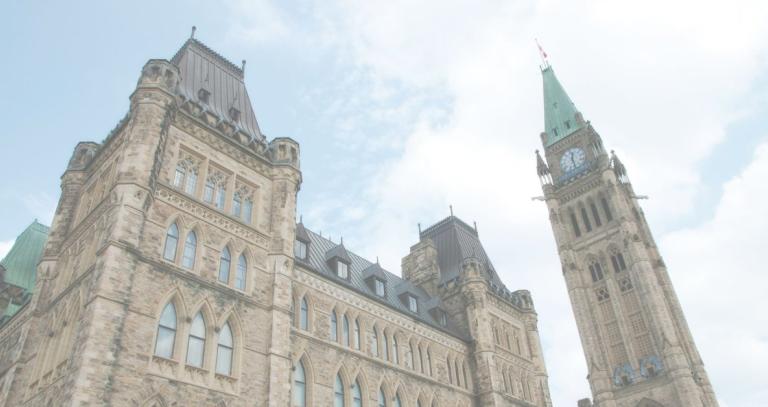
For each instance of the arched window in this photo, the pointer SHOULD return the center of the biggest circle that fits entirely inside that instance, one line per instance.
(606, 209)
(166, 332)
(247, 210)
(237, 204)
(171, 242)
(186, 175)
(190, 247)
(196, 342)
(398, 403)
(409, 356)
(595, 214)
(345, 331)
(450, 371)
(585, 219)
(464, 371)
(458, 375)
(429, 363)
(334, 327)
(224, 351)
(338, 392)
(299, 386)
(421, 359)
(395, 356)
(617, 259)
(382, 399)
(224, 263)
(385, 346)
(375, 342)
(304, 314)
(596, 271)
(357, 335)
(242, 270)
(357, 395)
(418, 403)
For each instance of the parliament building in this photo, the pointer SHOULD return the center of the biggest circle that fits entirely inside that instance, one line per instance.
(176, 273)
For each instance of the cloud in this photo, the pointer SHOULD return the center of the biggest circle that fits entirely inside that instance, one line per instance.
(459, 83)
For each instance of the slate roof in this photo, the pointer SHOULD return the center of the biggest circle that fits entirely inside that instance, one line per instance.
(456, 241)
(201, 67)
(360, 269)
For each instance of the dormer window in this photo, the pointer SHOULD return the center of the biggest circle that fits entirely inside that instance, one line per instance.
(554, 131)
(567, 124)
(442, 318)
(234, 114)
(203, 95)
(299, 249)
(413, 304)
(342, 270)
(379, 287)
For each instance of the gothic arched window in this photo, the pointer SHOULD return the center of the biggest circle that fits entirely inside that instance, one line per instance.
(395, 355)
(171, 242)
(574, 223)
(196, 342)
(338, 392)
(357, 334)
(409, 356)
(421, 359)
(385, 346)
(617, 260)
(299, 386)
(450, 371)
(185, 177)
(429, 363)
(382, 399)
(398, 403)
(224, 351)
(224, 264)
(190, 247)
(166, 332)
(585, 219)
(375, 342)
(606, 209)
(242, 270)
(357, 395)
(304, 314)
(595, 214)
(345, 330)
(334, 326)
(596, 271)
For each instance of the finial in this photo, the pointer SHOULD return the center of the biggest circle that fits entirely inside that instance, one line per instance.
(451, 208)
(543, 55)
(301, 219)
(419, 227)
(192, 36)
(475, 222)
(342, 241)
(377, 259)
(243, 67)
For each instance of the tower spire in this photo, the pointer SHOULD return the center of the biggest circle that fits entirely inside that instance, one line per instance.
(560, 114)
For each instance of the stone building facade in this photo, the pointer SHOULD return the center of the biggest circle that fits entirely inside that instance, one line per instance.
(175, 274)
(636, 341)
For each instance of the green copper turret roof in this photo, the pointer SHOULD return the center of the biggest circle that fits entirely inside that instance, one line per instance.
(20, 263)
(559, 111)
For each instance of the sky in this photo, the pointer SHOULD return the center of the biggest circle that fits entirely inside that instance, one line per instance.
(403, 108)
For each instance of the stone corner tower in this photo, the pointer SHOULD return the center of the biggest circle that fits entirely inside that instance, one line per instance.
(637, 344)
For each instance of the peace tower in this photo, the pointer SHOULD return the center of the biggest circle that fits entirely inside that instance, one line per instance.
(639, 350)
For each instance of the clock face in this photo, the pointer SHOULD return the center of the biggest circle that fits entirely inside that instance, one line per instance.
(572, 159)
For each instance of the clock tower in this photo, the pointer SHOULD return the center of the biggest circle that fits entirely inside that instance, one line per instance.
(637, 344)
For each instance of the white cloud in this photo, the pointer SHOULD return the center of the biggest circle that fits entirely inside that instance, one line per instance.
(660, 81)
(5, 247)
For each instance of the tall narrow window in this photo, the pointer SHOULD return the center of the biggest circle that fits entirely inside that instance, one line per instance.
(464, 371)
(617, 259)
(221, 194)
(596, 271)
(345, 330)
(595, 215)
(334, 326)
(342, 269)
(458, 375)
(171, 242)
(299, 386)
(338, 392)
(196, 342)
(606, 209)
(409, 357)
(224, 263)
(398, 403)
(375, 342)
(395, 355)
(304, 314)
(190, 247)
(418, 403)
(166, 332)
(356, 335)
(413, 304)
(429, 363)
(224, 351)
(575, 224)
(585, 219)
(357, 395)
(379, 285)
(382, 399)
(450, 371)
(237, 204)
(210, 185)
(242, 271)
(385, 346)
(178, 177)
(191, 184)
(247, 210)
(299, 249)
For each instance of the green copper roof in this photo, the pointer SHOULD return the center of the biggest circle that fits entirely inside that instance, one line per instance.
(21, 262)
(559, 110)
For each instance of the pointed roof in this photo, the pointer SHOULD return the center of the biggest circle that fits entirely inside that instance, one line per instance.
(559, 111)
(202, 68)
(338, 252)
(301, 233)
(20, 263)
